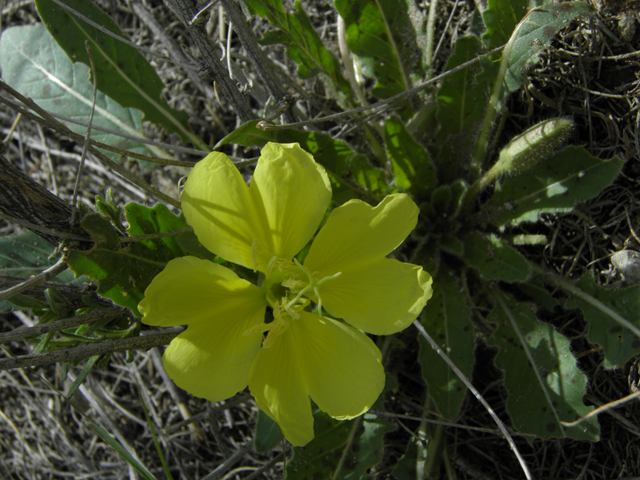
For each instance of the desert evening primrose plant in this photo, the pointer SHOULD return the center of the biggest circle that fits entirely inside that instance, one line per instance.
(302, 352)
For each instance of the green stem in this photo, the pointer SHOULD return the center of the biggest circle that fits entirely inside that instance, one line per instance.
(431, 29)
(492, 108)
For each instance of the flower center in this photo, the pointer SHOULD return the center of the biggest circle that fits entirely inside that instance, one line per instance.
(288, 286)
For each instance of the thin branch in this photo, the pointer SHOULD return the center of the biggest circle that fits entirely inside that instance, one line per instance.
(603, 409)
(94, 316)
(219, 74)
(56, 125)
(387, 101)
(87, 138)
(49, 231)
(476, 394)
(47, 274)
(143, 342)
(262, 64)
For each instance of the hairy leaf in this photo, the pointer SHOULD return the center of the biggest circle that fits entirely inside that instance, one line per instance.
(600, 306)
(34, 64)
(462, 101)
(495, 259)
(554, 184)
(447, 319)
(542, 379)
(122, 72)
(410, 161)
(535, 34)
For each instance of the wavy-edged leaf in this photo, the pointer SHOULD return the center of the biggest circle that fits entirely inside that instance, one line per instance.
(34, 64)
(303, 43)
(602, 308)
(321, 457)
(495, 259)
(410, 161)
(380, 33)
(447, 319)
(536, 32)
(542, 379)
(122, 72)
(124, 272)
(349, 172)
(554, 184)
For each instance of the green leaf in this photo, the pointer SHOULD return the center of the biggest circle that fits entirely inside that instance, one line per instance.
(350, 173)
(462, 101)
(534, 289)
(495, 259)
(532, 35)
(379, 32)
(500, 19)
(88, 366)
(34, 64)
(535, 34)
(122, 451)
(447, 319)
(321, 457)
(542, 379)
(122, 72)
(28, 254)
(410, 161)
(618, 343)
(268, 433)
(554, 184)
(124, 272)
(304, 45)
(406, 468)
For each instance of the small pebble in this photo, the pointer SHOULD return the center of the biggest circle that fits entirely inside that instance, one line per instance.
(627, 262)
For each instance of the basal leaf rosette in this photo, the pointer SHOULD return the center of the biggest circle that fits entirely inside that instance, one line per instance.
(302, 352)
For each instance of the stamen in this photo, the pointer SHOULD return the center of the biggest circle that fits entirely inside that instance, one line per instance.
(271, 264)
(313, 284)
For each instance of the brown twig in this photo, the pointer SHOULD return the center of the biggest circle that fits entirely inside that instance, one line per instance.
(262, 64)
(94, 316)
(188, 9)
(54, 124)
(143, 342)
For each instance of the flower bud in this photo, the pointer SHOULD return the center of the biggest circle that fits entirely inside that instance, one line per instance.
(538, 142)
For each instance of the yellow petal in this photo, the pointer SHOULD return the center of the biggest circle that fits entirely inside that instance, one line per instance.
(275, 382)
(357, 233)
(279, 212)
(336, 364)
(295, 192)
(382, 298)
(217, 204)
(212, 358)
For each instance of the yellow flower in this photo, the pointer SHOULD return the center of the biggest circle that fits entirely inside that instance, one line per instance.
(346, 273)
